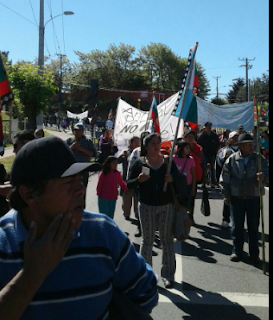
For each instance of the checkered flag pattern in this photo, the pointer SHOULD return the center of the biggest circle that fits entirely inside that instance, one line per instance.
(183, 82)
(5, 99)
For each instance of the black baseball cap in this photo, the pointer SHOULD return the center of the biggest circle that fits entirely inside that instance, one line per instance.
(43, 159)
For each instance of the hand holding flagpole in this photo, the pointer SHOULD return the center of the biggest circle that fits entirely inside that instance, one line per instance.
(182, 94)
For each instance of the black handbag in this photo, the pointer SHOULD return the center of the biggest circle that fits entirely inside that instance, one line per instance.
(180, 186)
(205, 205)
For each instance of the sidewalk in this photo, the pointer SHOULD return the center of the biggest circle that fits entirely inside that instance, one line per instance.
(63, 135)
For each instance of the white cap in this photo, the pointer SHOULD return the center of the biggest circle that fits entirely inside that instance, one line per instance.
(232, 134)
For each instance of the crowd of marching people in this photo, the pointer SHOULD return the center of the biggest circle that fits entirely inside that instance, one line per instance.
(158, 185)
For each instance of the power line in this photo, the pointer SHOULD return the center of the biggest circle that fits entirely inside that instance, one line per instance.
(63, 24)
(17, 13)
(54, 31)
(33, 13)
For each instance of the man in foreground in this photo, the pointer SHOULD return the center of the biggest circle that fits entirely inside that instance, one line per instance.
(57, 260)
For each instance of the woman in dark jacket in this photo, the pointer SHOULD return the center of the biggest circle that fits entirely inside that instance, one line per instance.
(156, 211)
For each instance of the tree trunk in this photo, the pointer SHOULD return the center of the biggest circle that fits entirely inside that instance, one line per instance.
(31, 116)
(32, 122)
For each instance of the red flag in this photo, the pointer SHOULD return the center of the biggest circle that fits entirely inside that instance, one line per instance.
(5, 92)
(6, 96)
(153, 114)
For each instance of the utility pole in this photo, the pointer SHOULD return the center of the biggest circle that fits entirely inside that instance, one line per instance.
(217, 94)
(247, 66)
(61, 80)
(39, 117)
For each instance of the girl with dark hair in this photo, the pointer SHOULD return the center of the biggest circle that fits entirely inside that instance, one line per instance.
(186, 165)
(156, 212)
(107, 188)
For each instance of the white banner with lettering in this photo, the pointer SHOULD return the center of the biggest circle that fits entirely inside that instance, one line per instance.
(131, 121)
(79, 116)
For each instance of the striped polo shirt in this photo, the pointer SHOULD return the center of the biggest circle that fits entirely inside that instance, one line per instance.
(99, 257)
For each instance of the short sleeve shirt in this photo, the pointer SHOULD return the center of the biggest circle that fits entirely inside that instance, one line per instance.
(180, 163)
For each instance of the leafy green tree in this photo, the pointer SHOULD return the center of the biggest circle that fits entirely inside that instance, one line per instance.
(218, 101)
(233, 95)
(32, 90)
(120, 67)
(259, 89)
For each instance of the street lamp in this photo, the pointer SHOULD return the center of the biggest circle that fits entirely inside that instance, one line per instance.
(42, 32)
(41, 57)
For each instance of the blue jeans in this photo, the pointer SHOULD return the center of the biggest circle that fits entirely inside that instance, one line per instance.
(107, 207)
(239, 208)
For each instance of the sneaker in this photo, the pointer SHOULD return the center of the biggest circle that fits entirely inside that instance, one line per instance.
(234, 257)
(225, 224)
(168, 284)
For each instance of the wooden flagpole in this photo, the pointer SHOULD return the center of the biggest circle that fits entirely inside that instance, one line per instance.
(179, 118)
(258, 112)
(1, 127)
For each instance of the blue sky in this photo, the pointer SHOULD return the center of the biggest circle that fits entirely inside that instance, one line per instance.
(226, 30)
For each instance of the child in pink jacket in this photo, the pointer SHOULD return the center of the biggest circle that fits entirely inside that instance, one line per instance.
(107, 188)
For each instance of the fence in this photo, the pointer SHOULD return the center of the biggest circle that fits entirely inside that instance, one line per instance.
(10, 128)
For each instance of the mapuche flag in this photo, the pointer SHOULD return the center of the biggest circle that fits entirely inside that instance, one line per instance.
(6, 96)
(189, 112)
(153, 114)
(5, 92)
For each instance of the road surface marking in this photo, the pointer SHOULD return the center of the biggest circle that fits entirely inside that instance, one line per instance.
(209, 298)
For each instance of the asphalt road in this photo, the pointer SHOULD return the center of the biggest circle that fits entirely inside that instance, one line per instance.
(207, 284)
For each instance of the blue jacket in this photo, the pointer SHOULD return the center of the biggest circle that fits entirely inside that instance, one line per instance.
(99, 258)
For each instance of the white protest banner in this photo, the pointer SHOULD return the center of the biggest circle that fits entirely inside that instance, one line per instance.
(227, 116)
(131, 121)
(79, 116)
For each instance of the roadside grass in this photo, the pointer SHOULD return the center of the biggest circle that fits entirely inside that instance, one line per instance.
(7, 162)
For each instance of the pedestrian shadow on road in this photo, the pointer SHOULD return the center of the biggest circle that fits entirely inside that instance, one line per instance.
(200, 304)
(214, 240)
